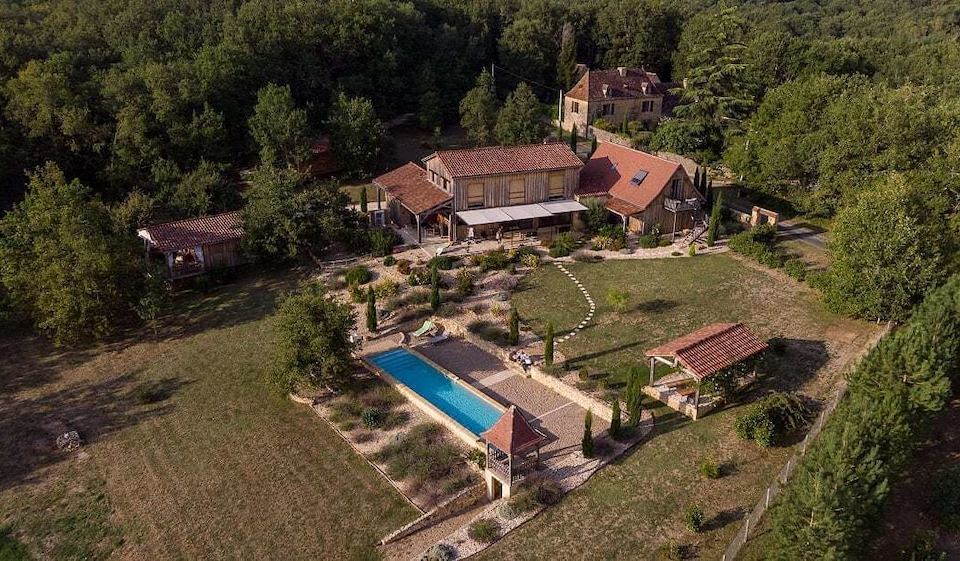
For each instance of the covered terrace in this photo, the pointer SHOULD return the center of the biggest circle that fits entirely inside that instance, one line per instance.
(517, 223)
(705, 362)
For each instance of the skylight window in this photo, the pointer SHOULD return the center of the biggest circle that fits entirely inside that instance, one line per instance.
(639, 177)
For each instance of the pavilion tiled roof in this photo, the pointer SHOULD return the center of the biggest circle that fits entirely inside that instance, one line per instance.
(512, 433)
(494, 160)
(183, 234)
(629, 83)
(712, 348)
(410, 185)
(611, 169)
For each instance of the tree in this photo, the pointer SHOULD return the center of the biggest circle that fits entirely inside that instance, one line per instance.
(286, 215)
(593, 145)
(313, 339)
(597, 213)
(634, 395)
(65, 263)
(363, 200)
(279, 128)
(520, 121)
(435, 289)
(717, 95)
(715, 213)
(548, 346)
(530, 44)
(628, 40)
(567, 61)
(371, 310)
(888, 251)
(615, 418)
(356, 134)
(573, 139)
(478, 110)
(514, 337)
(586, 443)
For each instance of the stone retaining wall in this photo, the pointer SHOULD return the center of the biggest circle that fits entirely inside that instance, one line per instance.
(607, 136)
(457, 504)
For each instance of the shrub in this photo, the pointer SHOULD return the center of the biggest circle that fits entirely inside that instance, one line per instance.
(484, 530)
(421, 455)
(495, 259)
(692, 250)
(373, 417)
(440, 552)
(387, 288)
(671, 551)
(419, 276)
(693, 518)
(796, 268)
(358, 275)
(465, 282)
(363, 436)
(389, 261)
(764, 233)
(562, 245)
(746, 244)
(586, 257)
(648, 241)
(489, 331)
(773, 416)
(522, 502)
(603, 124)
(546, 491)
(618, 299)
(442, 262)
(513, 337)
(946, 498)
(477, 458)
(404, 266)
(357, 294)
(709, 469)
(923, 548)
(382, 241)
(531, 260)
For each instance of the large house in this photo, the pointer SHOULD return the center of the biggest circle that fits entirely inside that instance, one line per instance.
(617, 96)
(641, 190)
(497, 191)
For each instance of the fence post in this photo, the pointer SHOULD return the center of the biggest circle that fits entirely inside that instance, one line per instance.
(766, 505)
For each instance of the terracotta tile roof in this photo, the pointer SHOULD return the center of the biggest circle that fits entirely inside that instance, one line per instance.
(183, 234)
(512, 433)
(628, 84)
(612, 168)
(493, 160)
(410, 185)
(321, 160)
(712, 348)
(622, 207)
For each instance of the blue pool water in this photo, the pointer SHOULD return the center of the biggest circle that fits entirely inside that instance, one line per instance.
(459, 403)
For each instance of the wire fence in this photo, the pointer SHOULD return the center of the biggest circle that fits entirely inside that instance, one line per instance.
(753, 519)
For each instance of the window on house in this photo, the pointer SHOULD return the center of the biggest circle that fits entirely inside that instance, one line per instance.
(433, 177)
(556, 186)
(446, 184)
(574, 107)
(676, 192)
(517, 192)
(606, 109)
(474, 195)
(646, 106)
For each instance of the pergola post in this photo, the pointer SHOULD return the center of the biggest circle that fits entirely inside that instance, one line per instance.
(653, 367)
(673, 236)
(419, 235)
(696, 402)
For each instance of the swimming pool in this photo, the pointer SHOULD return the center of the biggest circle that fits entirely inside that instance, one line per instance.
(449, 396)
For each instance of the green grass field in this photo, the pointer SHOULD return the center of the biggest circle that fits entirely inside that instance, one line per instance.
(190, 454)
(634, 507)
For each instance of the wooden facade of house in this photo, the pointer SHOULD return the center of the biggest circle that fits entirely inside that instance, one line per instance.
(195, 246)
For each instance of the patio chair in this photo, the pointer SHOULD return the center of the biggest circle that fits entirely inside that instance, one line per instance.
(426, 327)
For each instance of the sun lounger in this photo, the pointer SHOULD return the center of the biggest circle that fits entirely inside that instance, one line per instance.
(426, 327)
(438, 339)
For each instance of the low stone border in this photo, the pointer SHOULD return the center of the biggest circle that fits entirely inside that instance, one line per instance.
(455, 505)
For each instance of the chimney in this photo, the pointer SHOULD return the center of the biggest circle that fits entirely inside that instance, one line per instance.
(622, 70)
(644, 87)
(606, 90)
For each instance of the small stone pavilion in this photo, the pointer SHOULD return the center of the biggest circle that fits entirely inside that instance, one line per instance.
(697, 357)
(510, 442)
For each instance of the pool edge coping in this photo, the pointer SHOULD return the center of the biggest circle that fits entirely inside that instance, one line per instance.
(474, 441)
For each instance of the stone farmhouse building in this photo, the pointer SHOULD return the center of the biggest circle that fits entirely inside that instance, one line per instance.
(617, 96)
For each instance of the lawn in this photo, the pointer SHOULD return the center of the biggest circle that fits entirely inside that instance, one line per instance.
(353, 191)
(189, 453)
(635, 507)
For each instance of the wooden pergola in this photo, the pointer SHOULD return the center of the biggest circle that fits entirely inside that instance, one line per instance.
(509, 440)
(703, 353)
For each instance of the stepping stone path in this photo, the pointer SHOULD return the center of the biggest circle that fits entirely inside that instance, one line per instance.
(593, 307)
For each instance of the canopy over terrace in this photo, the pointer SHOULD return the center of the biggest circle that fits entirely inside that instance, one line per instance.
(510, 437)
(703, 353)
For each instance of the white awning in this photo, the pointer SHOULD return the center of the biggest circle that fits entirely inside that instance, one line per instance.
(562, 207)
(517, 212)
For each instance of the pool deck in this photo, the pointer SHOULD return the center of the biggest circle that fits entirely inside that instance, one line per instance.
(560, 419)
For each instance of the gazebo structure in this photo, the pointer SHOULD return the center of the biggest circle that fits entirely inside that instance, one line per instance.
(697, 357)
(509, 443)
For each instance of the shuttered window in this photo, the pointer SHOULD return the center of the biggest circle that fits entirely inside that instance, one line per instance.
(474, 195)
(517, 192)
(556, 186)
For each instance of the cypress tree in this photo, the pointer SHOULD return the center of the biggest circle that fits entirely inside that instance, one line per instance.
(514, 327)
(363, 200)
(573, 139)
(593, 145)
(435, 290)
(587, 442)
(548, 346)
(634, 395)
(371, 310)
(714, 221)
(615, 419)
(708, 183)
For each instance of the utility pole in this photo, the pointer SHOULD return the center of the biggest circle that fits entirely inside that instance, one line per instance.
(560, 110)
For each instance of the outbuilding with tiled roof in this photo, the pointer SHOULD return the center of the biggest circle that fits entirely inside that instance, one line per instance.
(508, 441)
(195, 245)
